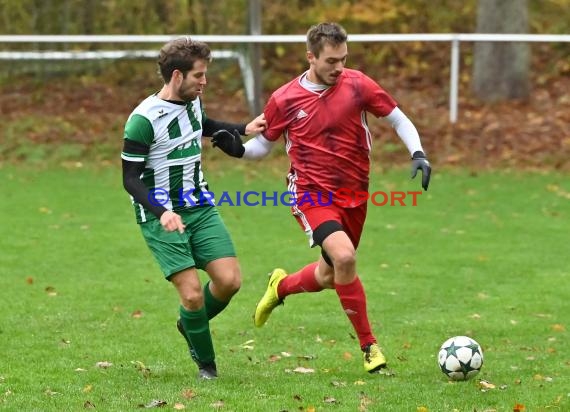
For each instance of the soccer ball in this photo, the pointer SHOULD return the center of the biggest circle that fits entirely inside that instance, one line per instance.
(460, 358)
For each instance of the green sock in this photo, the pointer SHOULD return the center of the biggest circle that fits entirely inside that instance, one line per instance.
(213, 305)
(197, 329)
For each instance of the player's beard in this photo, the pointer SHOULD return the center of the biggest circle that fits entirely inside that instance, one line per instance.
(187, 94)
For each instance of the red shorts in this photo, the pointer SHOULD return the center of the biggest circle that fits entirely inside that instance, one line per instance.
(311, 216)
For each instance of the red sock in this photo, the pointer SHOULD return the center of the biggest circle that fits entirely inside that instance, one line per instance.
(302, 281)
(353, 301)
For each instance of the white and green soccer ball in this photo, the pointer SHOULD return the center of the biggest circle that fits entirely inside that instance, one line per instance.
(460, 358)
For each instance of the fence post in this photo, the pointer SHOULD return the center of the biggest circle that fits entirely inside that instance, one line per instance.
(454, 80)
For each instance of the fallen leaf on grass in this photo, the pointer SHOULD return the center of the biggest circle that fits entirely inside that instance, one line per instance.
(274, 358)
(543, 315)
(218, 404)
(422, 409)
(88, 405)
(486, 385)
(557, 327)
(87, 388)
(519, 407)
(50, 290)
(188, 394)
(338, 384)
(247, 345)
(301, 369)
(329, 399)
(155, 403)
(364, 402)
(103, 364)
(360, 383)
(49, 392)
(139, 366)
(179, 406)
(347, 356)
(539, 377)
(137, 314)
(30, 280)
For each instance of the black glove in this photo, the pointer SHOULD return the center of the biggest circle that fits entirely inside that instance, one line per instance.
(420, 162)
(229, 143)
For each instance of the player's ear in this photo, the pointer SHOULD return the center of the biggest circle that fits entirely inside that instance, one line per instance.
(177, 75)
(310, 56)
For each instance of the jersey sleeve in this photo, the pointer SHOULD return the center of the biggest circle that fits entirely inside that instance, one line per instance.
(378, 101)
(137, 129)
(276, 122)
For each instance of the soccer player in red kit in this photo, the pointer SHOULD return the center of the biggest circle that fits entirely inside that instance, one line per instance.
(322, 116)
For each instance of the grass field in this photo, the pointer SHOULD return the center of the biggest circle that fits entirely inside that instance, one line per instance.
(483, 255)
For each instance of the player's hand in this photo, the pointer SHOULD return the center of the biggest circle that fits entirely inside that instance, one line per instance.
(420, 162)
(171, 221)
(229, 143)
(256, 126)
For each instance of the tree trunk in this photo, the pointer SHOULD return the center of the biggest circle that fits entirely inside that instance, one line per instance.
(500, 70)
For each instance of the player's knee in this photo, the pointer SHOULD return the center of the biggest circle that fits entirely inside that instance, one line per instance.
(234, 285)
(231, 283)
(192, 299)
(344, 260)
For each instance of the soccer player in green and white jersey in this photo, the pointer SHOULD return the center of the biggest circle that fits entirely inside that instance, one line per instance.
(161, 161)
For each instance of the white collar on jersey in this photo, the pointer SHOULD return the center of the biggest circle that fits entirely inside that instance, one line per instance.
(309, 85)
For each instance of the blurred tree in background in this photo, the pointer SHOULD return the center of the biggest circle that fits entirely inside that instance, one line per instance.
(501, 70)
(230, 17)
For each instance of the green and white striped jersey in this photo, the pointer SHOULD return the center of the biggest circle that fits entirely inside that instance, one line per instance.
(173, 170)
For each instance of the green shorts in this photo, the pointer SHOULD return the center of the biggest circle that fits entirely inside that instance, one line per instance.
(204, 240)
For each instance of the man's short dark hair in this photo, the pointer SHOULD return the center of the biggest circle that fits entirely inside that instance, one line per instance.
(181, 54)
(325, 33)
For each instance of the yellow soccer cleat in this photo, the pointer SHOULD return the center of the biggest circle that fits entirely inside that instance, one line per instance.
(374, 360)
(270, 299)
